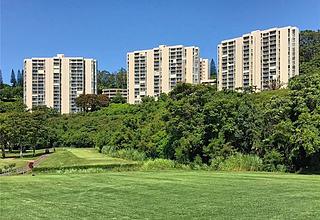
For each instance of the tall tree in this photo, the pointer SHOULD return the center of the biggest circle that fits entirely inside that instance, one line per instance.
(213, 69)
(13, 79)
(309, 45)
(19, 78)
(1, 80)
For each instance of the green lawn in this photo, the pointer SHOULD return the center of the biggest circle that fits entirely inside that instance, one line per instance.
(69, 157)
(161, 195)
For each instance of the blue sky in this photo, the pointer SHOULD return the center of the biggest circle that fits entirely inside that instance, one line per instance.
(107, 29)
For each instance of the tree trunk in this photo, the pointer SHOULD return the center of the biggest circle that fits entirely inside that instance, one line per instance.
(34, 151)
(10, 147)
(21, 153)
(3, 153)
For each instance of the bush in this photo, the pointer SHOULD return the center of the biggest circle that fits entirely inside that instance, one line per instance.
(272, 161)
(129, 154)
(239, 162)
(8, 168)
(215, 163)
(183, 166)
(158, 164)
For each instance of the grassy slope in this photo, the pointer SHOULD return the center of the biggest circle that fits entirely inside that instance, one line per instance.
(161, 195)
(78, 156)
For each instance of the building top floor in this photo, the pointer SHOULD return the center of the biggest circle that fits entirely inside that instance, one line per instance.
(162, 47)
(59, 56)
(270, 30)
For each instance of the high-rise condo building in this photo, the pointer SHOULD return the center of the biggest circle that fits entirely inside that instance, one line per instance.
(204, 69)
(261, 59)
(56, 82)
(155, 71)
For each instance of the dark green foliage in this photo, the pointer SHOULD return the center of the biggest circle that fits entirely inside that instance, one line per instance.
(1, 79)
(13, 80)
(10, 93)
(309, 45)
(273, 130)
(118, 98)
(79, 140)
(92, 102)
(213, 69)
(13, 106)
(112, 80)
(20, 78)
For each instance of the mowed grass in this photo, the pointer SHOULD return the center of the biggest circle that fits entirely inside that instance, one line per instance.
(69, 157)
(19, 162)
(161, 195)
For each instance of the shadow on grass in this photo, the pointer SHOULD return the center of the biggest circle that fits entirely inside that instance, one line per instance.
(26, 154)
(309, 171)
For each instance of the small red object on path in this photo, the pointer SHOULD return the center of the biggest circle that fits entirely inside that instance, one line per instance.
(30, 165)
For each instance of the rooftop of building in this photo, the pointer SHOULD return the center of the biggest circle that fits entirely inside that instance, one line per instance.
(248, 34)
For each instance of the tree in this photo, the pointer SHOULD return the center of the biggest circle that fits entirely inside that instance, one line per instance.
(19, 78)
(9, 93)
(92, 102)
(13, 79)
(6, 93)
(87, 102)
(19, 130)
(106, 79)
(4, 138)
(213, 69)
(118, 98)
(1, 80)
(103, 100)
(121, 79)
(309, 45)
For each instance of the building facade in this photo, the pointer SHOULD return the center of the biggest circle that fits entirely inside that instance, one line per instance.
(261, 59)
(209, 82)
(113, 92)
(56, 82)
(204, 69)
(158, 70)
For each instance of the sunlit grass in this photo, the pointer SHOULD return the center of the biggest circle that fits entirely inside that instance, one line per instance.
(161, 195)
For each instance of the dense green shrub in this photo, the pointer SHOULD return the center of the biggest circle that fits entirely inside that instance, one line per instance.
(158, 164)
(8, 168)
(273, 161)
(240, 162)
(129, 154)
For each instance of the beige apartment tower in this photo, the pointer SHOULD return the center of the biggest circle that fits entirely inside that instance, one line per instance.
(261, 60)
(204, 70)
(56, 82)
(155, 71)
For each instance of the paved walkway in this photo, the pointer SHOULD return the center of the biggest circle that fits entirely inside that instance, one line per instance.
(25, 169)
